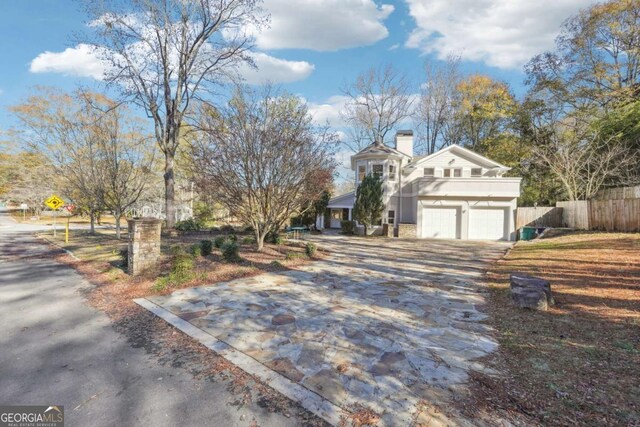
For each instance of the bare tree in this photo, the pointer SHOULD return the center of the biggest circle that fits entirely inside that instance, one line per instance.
(435, 114)
(163, 54)
(126, 157)
(582, 159)
(263, 158)
(55, 125)
(378, 101)
(99, 155)
(29, 179)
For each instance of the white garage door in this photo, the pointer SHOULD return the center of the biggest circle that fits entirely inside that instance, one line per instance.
(486, 224)
(440, 223)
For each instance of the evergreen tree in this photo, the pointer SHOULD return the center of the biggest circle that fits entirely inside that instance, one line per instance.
(369, 206)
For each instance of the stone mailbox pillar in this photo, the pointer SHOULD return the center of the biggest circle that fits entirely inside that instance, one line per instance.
(144, 244)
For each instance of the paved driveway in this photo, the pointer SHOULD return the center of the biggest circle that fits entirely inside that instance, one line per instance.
(384, 324)
(55, 350)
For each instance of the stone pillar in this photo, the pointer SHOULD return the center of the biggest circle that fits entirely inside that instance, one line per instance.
(144, 244)
(407, 231)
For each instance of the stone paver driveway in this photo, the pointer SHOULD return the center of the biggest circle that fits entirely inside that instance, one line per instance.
(386, 324)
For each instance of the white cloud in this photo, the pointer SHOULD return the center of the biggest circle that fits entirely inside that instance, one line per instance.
(74, 61)
(275, 70)
(83, 62)
(501, 33)
(326, 25)
(329, 111)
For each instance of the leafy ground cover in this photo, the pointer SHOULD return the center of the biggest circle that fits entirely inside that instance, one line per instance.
(578, 363)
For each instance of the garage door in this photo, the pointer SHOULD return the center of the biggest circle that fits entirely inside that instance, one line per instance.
(440, 223)
(486, 224)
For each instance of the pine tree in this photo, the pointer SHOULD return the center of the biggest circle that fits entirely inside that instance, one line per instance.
(369, 206)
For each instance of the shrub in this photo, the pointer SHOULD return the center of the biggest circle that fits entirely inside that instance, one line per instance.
(123, 254)
(232, 238)
(310, 249)
(219, 241)
(229, 252)
(203, 212)
(206, 247)
(247, 240)
(294, 255)
(273, 237)
(176, 249)
(248, 229)
(182, 264)
(227, 228)
(181, 271)
(348, 227)
(195, 250)
(188, 225)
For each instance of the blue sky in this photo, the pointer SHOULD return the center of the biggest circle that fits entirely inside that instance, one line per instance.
(312, 48)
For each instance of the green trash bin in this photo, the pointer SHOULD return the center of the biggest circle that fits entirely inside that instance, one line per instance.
(527, 233)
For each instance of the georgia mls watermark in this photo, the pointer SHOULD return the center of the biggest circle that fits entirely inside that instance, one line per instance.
(32, 416)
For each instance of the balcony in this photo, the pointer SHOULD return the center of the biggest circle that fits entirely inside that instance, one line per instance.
(467, 187)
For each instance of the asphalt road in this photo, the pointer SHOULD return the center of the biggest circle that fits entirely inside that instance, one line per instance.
(56, 350)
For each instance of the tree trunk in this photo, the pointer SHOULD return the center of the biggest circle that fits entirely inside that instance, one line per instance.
(169, 193)
(260, 239)
(92, 227)
(118, 216)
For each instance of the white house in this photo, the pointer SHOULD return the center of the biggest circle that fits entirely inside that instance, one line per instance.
(451, 194)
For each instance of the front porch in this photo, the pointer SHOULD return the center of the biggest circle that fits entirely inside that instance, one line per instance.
(339, 209)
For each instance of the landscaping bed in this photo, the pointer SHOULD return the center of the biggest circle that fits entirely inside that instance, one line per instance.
(579, 362)
(100, 262)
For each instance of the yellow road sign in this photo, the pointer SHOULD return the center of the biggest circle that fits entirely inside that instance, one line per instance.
(54, 202)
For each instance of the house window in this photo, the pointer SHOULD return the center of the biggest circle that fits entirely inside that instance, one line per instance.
(391, 217)
(429, 172)
(392, 173)
(378, 171)
(361, 172)
(456, 173)
(476, 172)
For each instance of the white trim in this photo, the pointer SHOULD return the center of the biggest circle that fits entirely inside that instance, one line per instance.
(463, 150)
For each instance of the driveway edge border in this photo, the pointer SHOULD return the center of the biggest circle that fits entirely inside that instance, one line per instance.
(309, 400)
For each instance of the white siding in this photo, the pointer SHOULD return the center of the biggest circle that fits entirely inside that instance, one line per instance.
(467, 187)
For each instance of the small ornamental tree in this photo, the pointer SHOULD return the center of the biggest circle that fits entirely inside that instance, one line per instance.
(263, 158)
(368, 207)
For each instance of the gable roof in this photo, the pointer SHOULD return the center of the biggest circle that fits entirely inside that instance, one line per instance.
(342, 199)
(377, 149)
(457, 149)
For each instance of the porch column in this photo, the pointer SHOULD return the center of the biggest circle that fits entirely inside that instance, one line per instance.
(350, 209)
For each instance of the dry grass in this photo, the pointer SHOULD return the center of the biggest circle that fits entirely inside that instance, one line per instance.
(61, 218)
(579, 362)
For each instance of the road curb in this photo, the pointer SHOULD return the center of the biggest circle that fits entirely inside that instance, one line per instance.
(67, 251)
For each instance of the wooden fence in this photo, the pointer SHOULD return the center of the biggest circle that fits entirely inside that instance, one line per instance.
(542, 216)
(609, 215)
(575, 214)
(619, 193)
